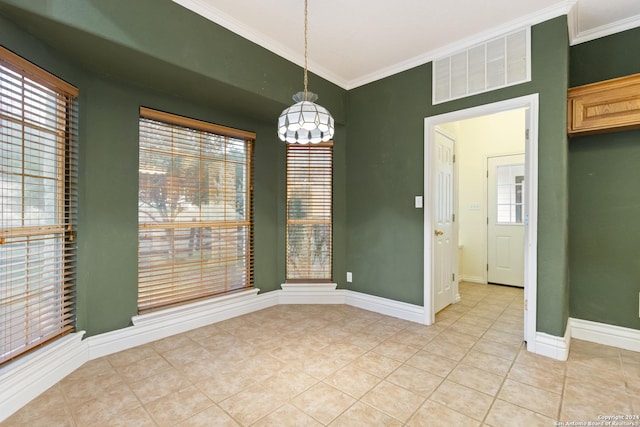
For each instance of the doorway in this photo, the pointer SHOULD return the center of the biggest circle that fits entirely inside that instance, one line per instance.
(528, 210)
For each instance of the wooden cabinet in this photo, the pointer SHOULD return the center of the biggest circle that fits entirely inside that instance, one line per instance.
(608, 106)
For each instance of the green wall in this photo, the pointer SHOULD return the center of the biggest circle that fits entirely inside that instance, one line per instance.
(110, 97)
(385, 171)
(604, 204)
(107, 231)
(120, 61)
(149, 41)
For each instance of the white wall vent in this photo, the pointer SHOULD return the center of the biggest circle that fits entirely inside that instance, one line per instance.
(499, 62)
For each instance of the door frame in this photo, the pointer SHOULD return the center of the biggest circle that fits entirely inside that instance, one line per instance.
(531, 176)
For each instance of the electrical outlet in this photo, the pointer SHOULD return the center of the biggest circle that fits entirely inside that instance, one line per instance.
(349, 277)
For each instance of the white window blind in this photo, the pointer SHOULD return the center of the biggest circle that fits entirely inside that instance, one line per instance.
(497, 63)
(309, 212)
(194, 210)
(38, 174)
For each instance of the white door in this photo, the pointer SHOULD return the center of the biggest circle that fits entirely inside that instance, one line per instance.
(506, 220)
(443, 290)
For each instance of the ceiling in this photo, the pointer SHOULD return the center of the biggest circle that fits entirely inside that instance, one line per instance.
(354, 42)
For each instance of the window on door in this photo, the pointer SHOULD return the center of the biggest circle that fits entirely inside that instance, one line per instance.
(510, 194)
(38, 164)
(309, 212)
(194, 210)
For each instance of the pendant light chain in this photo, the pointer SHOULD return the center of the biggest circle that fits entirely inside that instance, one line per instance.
(306, 47)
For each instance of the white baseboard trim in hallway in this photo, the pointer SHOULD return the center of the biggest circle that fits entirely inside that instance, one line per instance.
(473, 279)
(601, 333)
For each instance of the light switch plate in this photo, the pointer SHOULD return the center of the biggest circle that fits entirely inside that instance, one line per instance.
(349, 277)
(418, 202)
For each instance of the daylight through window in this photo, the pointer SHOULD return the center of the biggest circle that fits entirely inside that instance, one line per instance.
(309, 212)
(38, 164)
(194, 210)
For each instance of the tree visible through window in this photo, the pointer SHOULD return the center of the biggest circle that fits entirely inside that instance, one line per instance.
(194, 210)
(309, 212)
(37, 206)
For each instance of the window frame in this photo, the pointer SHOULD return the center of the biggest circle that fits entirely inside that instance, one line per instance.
(49, 294)
(149, 299)
(318, 202)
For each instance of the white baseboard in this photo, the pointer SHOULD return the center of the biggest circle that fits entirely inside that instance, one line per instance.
(401, 310)
(473, 279)
(601, 333)
(553, 346)
(161, 324)
(26, 378)
(29, 376)
(311, 293)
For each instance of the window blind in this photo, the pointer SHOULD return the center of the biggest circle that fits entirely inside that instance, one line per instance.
(194, 210)
(38, 199)
(309, 212)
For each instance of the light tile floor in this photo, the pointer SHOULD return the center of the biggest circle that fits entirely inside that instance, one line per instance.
(312, 365)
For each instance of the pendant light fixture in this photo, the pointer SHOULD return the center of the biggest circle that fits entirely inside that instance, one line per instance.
(305, 122)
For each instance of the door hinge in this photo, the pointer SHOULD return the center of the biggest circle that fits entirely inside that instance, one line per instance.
(453, 277)
(487, 220)
(526, 304)
(487, 267)
(454, 158)
(453, 218)
(526, 134)
(487, 173)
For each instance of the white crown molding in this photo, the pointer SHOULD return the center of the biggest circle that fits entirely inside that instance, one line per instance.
(567, 7)
(551, 12)
(604, 30)
(206, 10)
(601, 333)
(573, 22)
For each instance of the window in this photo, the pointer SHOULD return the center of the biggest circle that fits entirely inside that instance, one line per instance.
(509, 189)
(195, 235)
(38, 164)
(309, 212)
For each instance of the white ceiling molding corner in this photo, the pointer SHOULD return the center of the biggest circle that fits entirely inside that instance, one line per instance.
(206, 10)
(525, 21)
(605, 30)
(572, 22)
(586, 20)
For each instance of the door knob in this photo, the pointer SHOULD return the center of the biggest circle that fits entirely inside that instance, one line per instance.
(439, 233)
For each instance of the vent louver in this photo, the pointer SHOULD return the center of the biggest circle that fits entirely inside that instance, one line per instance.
(497, 63)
